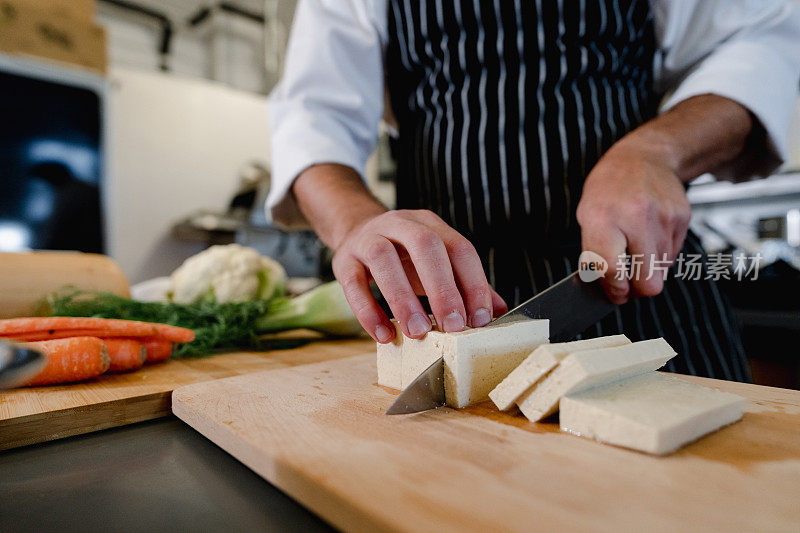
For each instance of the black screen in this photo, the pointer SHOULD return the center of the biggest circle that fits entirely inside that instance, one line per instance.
(50, 166)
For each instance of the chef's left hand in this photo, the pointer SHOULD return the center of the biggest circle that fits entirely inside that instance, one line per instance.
(634, 202)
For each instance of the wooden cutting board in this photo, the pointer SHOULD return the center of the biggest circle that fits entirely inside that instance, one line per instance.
(35, 414)
(319, 433)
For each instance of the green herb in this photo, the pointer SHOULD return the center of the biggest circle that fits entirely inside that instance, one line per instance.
(219, 326)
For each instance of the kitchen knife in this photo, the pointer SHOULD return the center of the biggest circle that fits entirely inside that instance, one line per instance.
(571, 305)
(18, 364)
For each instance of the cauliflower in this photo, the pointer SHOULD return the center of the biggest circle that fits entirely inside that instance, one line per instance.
(229, 273)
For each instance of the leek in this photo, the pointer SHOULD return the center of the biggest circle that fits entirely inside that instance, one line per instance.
(322, 309)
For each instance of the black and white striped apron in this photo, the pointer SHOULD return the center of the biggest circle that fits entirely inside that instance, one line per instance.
(503, 108)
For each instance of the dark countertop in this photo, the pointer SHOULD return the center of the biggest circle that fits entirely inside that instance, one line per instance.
(153, 476)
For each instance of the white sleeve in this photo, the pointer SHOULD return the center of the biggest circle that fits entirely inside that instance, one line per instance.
(328, 104)
(745, 50)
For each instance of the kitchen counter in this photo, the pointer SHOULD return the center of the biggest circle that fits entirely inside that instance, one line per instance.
(152, 476)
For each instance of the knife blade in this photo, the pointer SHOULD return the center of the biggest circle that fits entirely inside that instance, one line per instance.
(571, 305)
(425, 392)
(18, 364)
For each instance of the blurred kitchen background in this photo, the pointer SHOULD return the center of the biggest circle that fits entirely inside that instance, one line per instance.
(138, 128)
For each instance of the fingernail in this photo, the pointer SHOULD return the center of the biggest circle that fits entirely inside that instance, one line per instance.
(418, 325)
(481, 317)
(453, 322)
(382, 333)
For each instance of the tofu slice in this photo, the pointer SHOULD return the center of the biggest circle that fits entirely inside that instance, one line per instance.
(541, 361)
(653, 412)
(390, 358)
(580, 371)
(475, 360)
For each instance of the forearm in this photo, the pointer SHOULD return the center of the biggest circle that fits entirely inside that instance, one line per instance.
(334, 200)
(696, 136)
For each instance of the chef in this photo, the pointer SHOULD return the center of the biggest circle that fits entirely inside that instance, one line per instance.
(527, 131)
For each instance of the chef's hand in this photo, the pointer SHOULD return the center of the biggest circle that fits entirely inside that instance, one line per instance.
(406, 253)
(633, 200)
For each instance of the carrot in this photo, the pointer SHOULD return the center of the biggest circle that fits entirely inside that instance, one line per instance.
(111, 327)
(157, 349)
(66, 333)
(73, 359)
(58, 334)
(125, 354)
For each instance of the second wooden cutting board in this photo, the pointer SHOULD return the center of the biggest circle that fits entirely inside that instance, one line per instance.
(35, 414)
(319, 433)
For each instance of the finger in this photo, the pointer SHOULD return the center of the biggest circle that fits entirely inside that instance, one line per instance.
(648, 281)
(411, 272)
(470, 278)
(381, 257)
(467, 269)
(678, 237)
(610, 243)
(432, 263)
(498, 304)
(355, 283)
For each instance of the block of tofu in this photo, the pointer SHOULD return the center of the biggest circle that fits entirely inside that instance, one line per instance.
(580, 371)
(541, 361)
(653, 412)
(418, 354)
(475, 360)
(390, 357)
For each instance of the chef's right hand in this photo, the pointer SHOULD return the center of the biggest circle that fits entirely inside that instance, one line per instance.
(410, 253)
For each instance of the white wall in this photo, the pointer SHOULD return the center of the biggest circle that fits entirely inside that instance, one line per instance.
(175, 145)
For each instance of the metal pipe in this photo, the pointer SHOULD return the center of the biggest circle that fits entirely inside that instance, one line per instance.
(226, 7)
(161, 19)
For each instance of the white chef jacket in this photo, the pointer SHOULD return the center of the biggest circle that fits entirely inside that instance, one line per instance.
(328, 104)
